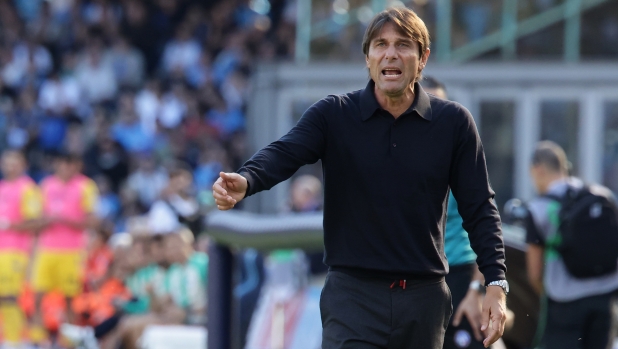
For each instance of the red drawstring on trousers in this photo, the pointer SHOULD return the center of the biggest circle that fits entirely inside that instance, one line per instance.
(402, 284)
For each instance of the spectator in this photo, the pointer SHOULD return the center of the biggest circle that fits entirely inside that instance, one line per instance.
(148, 105)
(234, 90)
(128, 130)
(31, 60)
(177, 206)
(173, 288)
(176, 294)
(212, 161)
(107, 157)
(96, 74)
(99, 256)
(108, 207)
(127, 63)
(173, 106)
(60, 95)
(306, 194)
(182, 52)
(52, 130)
(47, 27)
(225, 119)
(100, 12)
(200, 73)
(148, 181)
(189, 271)
(21, 128)
(138, 28)
(229, 59)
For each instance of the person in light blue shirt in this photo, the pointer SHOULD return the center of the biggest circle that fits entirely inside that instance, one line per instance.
(456, 243)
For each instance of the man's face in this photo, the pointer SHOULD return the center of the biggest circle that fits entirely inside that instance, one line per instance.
(181, 183)
(394, 61)
(175, 249)
(12, 166)
(66, 169)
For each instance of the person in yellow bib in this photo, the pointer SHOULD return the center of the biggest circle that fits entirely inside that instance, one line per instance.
(20, 206)
(69, 200)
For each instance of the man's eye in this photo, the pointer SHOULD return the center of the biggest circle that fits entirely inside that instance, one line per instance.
(403, 44)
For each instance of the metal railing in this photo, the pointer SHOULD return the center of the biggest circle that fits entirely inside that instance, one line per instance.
(505, 38)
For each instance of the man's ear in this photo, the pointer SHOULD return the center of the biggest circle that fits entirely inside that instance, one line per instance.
(367, 60)
(424, 58)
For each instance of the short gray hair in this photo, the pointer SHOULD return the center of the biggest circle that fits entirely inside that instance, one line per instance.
(552, 156)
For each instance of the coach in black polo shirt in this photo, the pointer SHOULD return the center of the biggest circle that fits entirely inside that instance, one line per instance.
(389, 152)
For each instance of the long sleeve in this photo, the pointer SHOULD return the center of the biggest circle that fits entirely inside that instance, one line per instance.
(304, 144)
(470, 185)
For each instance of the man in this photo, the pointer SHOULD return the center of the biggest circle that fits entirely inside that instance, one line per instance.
(69, 200)
(174, 293)
(177, 206)
(389, 153)
(20, 206)
(464, 278)
(305, 194)
(581, 313)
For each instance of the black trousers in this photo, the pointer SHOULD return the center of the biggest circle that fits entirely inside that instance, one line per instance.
(587, 323)
(462, 336)
(370, 313)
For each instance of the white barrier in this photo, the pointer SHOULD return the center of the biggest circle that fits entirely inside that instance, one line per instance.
(174, 337)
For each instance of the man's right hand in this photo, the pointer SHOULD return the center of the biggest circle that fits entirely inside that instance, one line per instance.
(228, 190)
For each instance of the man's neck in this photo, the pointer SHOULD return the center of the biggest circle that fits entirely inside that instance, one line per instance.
(12, 178)
(66, 179)
(395, 105)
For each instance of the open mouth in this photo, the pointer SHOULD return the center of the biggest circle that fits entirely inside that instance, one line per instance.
(391, 72)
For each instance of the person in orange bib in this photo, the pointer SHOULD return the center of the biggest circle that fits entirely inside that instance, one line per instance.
(69, 200)
(20, 206)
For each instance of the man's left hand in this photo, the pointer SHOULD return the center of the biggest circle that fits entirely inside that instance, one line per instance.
(494, 314)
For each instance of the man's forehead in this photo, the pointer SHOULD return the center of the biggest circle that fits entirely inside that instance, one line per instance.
(393, 31)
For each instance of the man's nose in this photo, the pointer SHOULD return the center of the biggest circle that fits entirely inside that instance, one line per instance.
(391, 52)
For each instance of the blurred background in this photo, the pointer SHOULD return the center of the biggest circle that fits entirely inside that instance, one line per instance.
(158, 96)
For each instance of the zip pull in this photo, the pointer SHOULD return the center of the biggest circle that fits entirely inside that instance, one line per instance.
(393, 284)
(402, 284)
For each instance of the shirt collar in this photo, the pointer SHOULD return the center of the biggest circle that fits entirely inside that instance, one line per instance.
(559, 186)
(369, 104)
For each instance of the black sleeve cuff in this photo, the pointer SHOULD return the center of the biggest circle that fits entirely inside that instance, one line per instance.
(250, 184)
(494, 274)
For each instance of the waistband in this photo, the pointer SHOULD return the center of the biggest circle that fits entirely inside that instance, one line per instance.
(385, 276)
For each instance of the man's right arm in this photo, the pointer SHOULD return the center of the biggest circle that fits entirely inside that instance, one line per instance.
(304, 144)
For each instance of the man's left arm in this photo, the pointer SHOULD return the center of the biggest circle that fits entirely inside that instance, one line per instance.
(470, 185)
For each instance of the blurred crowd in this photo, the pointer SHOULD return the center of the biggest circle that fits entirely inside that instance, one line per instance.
(137, 88)
(149, 99)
